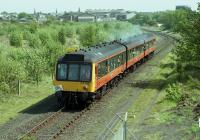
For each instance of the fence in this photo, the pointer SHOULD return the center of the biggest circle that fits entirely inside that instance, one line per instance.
(117, 129)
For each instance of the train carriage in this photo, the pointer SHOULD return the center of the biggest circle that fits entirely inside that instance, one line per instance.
(89, 73)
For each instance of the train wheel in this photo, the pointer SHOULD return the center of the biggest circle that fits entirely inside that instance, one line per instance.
(100, 93)
(143, 60)
(147, 57)
(60, 99)
(82, 99)
(132, 69)
(115, 82)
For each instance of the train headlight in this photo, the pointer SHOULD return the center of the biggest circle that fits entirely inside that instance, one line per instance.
(85, 87)
(58, 88)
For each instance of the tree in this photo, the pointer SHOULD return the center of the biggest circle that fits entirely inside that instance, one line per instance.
(16, 39)
(11, 71)
(44, 37)
(61, 37)
(34, 41)
(33, 27)
(188, 50)
(88, 36)
(24, 15)
(171, 20)
(35, 66)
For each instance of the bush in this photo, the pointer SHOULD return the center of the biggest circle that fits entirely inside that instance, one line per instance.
(106, 26)
(51, 52)
(33, 27)
(16, 39)
(101, 36)
(35, 67)
(34, 41)
(44, 37)
(61, 37)
(26, 35)
(54, 35)
(88, 36)
(12, 28)
(69, 32)
(78, 31)
(45, 47)
(11, 72)
(173, 92)
(2, 31)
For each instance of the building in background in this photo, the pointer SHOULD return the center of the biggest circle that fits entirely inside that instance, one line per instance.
(125, 16)
(86, 17)
(77, 17)
(110, 15)
(90, 15)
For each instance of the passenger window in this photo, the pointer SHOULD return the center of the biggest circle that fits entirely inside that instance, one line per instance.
(102, 69)
(119, 60)
(85, 73)
(129, 54)
(133, 52)
(111, 64)
(141, 48)
(148, 45)
(137, 51)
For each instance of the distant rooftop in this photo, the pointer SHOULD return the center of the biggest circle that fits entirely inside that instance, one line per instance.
(104, 10)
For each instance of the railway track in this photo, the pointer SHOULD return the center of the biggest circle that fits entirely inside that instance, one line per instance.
(161, 33)
(53, 117)
(74, 119)
(42, 124)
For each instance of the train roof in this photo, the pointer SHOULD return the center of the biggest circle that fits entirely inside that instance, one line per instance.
(105, 50)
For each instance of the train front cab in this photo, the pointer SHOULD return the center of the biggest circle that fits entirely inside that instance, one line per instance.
(74, 81)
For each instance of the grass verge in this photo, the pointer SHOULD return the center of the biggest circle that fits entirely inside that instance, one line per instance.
(164, 118)
(11, 105)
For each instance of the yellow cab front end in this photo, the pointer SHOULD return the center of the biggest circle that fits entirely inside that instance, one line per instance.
(75, 77)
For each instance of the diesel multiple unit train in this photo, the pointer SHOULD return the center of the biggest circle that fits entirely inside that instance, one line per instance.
(90, 73)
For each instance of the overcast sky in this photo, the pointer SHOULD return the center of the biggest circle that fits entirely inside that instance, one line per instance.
(73, 5)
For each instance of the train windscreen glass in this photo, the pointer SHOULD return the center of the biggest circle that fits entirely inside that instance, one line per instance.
(62, 71)
(74, 72)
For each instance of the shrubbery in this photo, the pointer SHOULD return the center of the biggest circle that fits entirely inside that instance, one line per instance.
(11, 71)
(35, 66)
(61, 37)
(39, 46)
(34, 41)
(44, 37)
(173, 92)
(88, 36)
(33, 27)
(16, 39)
